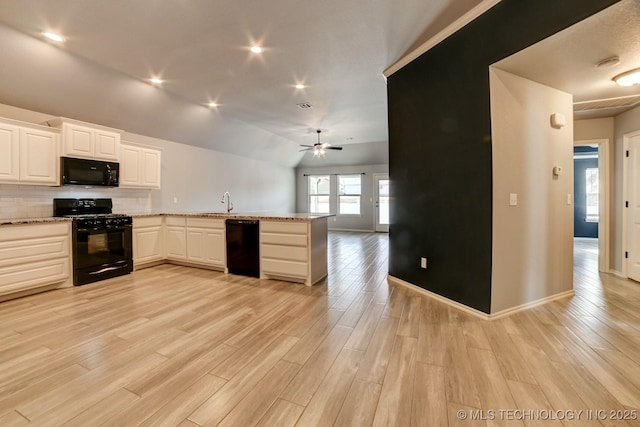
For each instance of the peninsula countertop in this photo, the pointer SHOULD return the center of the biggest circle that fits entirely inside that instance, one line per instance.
(249, 215)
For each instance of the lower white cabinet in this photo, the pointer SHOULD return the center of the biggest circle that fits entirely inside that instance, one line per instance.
(206, 242)
(197, 241)
(29, 154)
(148, 241)
(293, 250)
(139, 167)
(175, 238)
(34, 256)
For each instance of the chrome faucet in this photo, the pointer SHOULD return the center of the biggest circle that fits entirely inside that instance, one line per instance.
(229, 204)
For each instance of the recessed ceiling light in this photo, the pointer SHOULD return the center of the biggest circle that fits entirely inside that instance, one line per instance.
(53, 36)
(156, 81)
(256, 49)
(630, 78)
(299, 86)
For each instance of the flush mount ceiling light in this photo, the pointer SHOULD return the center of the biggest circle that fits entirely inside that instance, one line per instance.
(300, 86)
(212, 105)
(256, 49)
(156, 81)
(630, 78)
(53, 36)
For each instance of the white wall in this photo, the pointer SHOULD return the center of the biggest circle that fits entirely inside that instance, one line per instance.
(196, 176)
(365, 221)
(533, 241)
(626, 122)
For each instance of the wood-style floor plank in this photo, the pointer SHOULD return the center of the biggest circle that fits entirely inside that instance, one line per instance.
(179, 346)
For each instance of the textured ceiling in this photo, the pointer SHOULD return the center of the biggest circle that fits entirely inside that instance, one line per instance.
(338, 48)
(567, 60)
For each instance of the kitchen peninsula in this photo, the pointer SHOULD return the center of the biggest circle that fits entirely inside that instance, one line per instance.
(292, 247)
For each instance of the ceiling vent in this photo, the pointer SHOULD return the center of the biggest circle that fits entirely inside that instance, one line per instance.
(608, 103)
(304, 105)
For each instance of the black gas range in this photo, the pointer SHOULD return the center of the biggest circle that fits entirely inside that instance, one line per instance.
(102, 240)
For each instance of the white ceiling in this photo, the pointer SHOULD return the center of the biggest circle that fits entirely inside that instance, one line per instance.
(337, 48)
(567, 60)
(200, 47)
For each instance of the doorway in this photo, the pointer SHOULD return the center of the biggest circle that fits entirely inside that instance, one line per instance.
(381, 195)
(591, 198)
(631, 214)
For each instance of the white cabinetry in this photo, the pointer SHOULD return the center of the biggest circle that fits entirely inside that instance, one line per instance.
(294, 250)
(206, 243)
(139, 167)
(34, 256)
(175, 238)
(148, 248)
(28, 154)
(88, 141)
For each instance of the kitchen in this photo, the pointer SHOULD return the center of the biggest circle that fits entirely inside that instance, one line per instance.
(179, 345)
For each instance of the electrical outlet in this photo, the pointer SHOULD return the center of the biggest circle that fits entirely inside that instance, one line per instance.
(513, 199)
(423, 262)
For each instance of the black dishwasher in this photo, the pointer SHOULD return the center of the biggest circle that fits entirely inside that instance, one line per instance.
(243, 255)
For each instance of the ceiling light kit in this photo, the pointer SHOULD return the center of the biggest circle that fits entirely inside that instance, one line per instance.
(319, 149)
(629, 78)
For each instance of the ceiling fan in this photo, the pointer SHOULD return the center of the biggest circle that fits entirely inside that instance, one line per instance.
(319, 148)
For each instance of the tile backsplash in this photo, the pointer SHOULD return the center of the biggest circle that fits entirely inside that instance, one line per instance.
(30, 201)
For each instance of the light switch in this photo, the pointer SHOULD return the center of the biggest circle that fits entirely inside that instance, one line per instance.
(513, 199)
(569, 198)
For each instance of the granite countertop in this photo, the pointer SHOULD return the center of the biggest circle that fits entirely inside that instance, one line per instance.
(17, 221)
(249, 215)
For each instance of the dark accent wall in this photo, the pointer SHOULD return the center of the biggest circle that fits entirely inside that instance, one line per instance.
(440, 160)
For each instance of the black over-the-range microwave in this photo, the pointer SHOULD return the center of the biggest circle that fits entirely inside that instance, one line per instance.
(93, 173)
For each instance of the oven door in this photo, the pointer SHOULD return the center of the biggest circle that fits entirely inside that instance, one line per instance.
(101, 253)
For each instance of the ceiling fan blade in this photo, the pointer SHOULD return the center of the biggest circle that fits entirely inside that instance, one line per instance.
(333, 148)
(306, 149)
(303, 145)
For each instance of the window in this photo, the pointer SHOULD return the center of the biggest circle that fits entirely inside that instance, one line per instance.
(319, 191)
(349, 192)
(592, 190)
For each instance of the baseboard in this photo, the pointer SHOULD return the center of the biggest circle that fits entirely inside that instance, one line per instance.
(440, 298)
(475, 312)
(617, 274)
(531, 304)
(351, 230)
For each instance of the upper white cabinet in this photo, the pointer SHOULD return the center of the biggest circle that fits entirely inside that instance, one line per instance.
(28, 154)
(88, 141)
(139, 167)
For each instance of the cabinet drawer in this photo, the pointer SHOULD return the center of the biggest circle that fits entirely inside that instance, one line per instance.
(290, 253)
(27, 251)
(205, 223)
(20, 277)
(147, 221)
(284, 239)
(284, 227)
(34, 231)
(177, 221)
(285, 268)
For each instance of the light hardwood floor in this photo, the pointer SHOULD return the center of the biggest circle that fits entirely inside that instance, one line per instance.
(175, 346)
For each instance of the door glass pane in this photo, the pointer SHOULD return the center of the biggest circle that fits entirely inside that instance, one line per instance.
(592, 190)
(383, 204)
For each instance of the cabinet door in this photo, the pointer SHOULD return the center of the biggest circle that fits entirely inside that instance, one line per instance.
(129, 166)
(147, 245)
(215, 247)
(176, 245)
(150, 165)
(107, 145)
(78, 141)
(196, 244)
(9, 137)
(39, 157)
